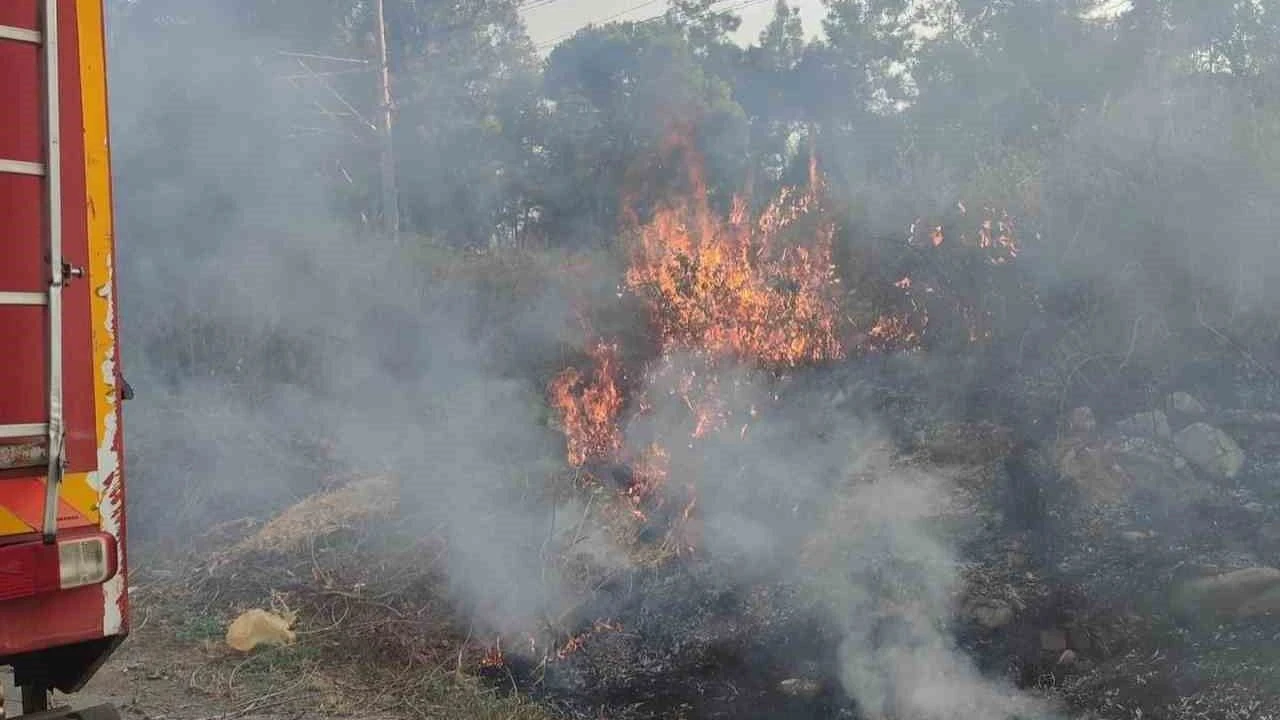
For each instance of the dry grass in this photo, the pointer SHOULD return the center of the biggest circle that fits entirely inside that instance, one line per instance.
(320, 515)
(376, 636)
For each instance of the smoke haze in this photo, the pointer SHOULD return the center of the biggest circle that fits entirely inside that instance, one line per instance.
(277, 341)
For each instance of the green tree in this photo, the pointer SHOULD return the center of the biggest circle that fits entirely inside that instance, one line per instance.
(852, 86)
(766, 86)
(782, 40)
(705, 28)
(617, 91)
(464, 77)
(869, 49)
(464, 82)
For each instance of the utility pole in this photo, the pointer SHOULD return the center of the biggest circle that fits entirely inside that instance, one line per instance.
(390, 198)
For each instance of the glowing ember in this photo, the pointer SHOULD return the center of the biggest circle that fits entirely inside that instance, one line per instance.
(576, 642)
(493, 657)
(997, 235)
(651, 471)
(892, 330)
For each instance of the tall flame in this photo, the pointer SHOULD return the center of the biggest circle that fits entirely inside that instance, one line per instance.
(735, 287)
(589, 407)
(759, 289)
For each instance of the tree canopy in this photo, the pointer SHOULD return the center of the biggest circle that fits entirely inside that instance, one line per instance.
(1135, 144)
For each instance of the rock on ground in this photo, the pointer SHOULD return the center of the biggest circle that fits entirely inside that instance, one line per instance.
(1210, 449)
(1111, 473)
(1239, 594)
(1185, 405)
(989, 613)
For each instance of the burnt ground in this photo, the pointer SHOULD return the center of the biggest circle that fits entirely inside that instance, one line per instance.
(1073, 582)
(1063, 596)
(698, 643)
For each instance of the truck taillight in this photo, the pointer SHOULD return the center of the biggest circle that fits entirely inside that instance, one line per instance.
(86, 561)
(34, 568)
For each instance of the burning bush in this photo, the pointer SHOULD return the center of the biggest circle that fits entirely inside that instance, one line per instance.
(753, 288)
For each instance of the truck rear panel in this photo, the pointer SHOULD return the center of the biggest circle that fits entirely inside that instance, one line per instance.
(75, 188)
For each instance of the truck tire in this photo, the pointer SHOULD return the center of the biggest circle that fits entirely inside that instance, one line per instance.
(35, 699)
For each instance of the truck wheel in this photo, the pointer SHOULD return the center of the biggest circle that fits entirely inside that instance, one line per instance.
(35, 698)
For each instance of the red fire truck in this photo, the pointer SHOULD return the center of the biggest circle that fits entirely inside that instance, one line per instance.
(63, 598)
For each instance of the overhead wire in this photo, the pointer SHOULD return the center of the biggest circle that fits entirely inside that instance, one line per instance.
(741, 4)
(535, 4)
(600, 21)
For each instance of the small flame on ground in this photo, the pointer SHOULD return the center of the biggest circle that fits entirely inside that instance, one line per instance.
(589, 406)
(576, 643)
(493, 656)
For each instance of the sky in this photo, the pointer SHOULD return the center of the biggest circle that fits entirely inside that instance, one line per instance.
(551, 20)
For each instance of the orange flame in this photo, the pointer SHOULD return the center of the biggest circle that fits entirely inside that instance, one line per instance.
(589, 407)
(733, 287)
(493, 656)
(575, 643)
(739, 287)
(651, 471)
(761, 290)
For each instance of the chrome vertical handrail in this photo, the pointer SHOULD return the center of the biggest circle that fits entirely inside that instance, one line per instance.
(57, 272)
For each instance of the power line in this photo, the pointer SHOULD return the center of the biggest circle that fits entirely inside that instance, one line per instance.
(742, 4)
(555, 40)
(535, 4)
(629, 10)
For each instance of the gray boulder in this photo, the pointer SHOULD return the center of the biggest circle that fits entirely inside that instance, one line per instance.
(1186, 405)
(1238, 594)
(1112, 473)
(1210, 449)
(989, 613)
(1258, 430)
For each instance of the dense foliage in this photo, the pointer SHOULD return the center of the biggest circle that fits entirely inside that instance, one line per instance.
(1134, 146)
